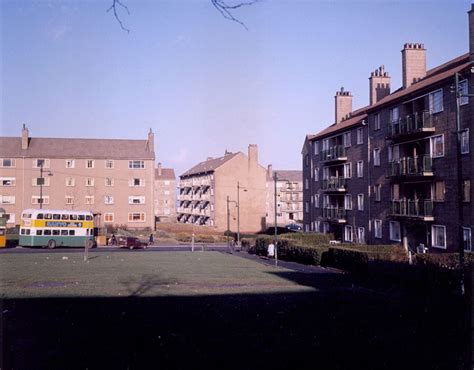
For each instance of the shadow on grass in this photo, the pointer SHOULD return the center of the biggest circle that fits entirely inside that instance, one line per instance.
(328, 328)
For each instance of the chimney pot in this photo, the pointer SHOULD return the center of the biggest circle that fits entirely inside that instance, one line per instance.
(343, 104)
(413, 63)
(24, 138)
(379, 85)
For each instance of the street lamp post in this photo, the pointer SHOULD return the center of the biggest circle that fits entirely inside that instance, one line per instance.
(238, 211)
(41, 163)
(275, 179)
(228, 220)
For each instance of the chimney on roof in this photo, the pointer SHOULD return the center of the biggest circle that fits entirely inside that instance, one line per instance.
(253, 155)
(343, 105)
(413, 63)
(158, 167)
(379, 85)
(24, 138)
(471, 33)
(270, 171)
(150, 143)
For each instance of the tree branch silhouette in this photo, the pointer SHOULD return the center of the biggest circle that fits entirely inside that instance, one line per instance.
(114, 8)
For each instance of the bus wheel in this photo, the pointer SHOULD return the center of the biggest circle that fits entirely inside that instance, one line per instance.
(52, 244)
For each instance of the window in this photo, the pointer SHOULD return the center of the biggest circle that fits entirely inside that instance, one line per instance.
(376, 121)
(360, 202)
(166, 192)
(438, 236)
(466, 238)
(347, 139)
(437, 146)
(395, 234)
(394, 115)
(316, 201)
(317, 226)
(108, 217)
(70, 181)
(465, 141)
(348, 201)
(108, 199)
(395, 191)
(394, 153)
(306, 207)
(348, 233)
(361, 235)
(89, 199)
(377, 157)
(7, 181)
(136, 164)
(37, 200)
(70, 163)
(136, 217)
(7, 162)
(37, 163)
(325, 227)
(69, 199)
(167, 182)
(377, 191)
(466, 191)
(316, 147)
(10, 218)
(360, 135)
(136, 200)
(39, 232)
(72, 232)
(436, 101)
(109, 163)
(38, 181)
(306, 160)
(439, 191)
(136, 182)
(109, 181)
(7, 199)
(347, 170)
(90, 181)
(306, 184)
(360, 168)
(325, 173)
(463, 90)
(316, 174)
(89, 163)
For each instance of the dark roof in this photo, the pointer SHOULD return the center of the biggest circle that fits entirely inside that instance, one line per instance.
(344, 125)
(10, 147)
(166, 174)
(210, 165)
(290, 175)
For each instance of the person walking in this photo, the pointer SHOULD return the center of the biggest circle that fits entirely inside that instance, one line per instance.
(271, 250)
(151, 240)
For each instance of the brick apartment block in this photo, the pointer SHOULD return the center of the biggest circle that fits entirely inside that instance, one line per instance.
(165, 194)
(392, 172)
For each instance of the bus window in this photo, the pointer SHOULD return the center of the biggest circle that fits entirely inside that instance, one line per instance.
(39, 232)
(64, 217)
(26, 215)
(56, 216)
(63, 232)
(55, 232)
(27, 231)
(81, 217)
(73, 217)
(48, 216)
(22, 231)
(39, 216)
(72, 232)
(89, 218)
(47, 232)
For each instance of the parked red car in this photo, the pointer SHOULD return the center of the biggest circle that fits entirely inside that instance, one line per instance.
(130, 242)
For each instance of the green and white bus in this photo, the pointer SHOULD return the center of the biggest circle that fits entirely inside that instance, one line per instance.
(56, 228)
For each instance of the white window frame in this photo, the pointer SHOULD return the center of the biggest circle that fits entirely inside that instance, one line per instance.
(131, 216)
(465, 141)
(109, 181)
(3, 161)
(360, 202)
(34, 181)
(69, 200)
(316, 174)
(378, 229)
(347, 168)
(376, 121)
(463, 89)
(348, 237)
(70, 163)
(361, 234)
(109, 164)
(392, 231)
(36, 163)
(136, 164)
(90, 163)
(316, 147)
(360, 135)
(466, 237)
(7, 199)
(141, 182)
(432, 146)
(395, 114)
(347, 139)
(109, 215)
(136, 199)
(7, 182)
(432, 101)
(89, 199)
(108, 199)
(433, 236)
(10, 218)
(376, 157)
(90, 181)
(348, 201)
(316, 201)
(360, 168)
(35, 199)
(317, 226)
(378, 192)
(70, 181)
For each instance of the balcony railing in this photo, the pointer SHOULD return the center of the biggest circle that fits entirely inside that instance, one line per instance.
(412, 124)
(335, 153)
(334, 184)
(413, 208)
(335, 214)
(411, 166)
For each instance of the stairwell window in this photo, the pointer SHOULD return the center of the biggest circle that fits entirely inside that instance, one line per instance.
(394, 115)
(316, 201)
(348, 201)
(360, 168)
(347, 170)
(316, 174)
(360, 135)
(466, 238)
(348, 234)
(376, 121)
(436, 101)
(463, 90)
(395, 234)
(361, 235)
(347, 139)
(466, 191)
(316, 147)
(378, 229)
(360, 202)
(378, 191)
(437, 146)
(377, 157)
(439, 191)
(465, 141)
(438, 236)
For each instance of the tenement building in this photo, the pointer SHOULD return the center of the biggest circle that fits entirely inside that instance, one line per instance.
(165, 194)
(112, 178)
(289, 197)
(398, 170)
(225, 190)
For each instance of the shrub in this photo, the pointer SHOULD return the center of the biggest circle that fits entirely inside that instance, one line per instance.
(309, 239)
(183, 237)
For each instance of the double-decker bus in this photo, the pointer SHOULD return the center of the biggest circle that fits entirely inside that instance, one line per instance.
(56, 228)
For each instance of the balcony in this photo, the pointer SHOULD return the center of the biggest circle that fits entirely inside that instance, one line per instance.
(334, 184)
(335, 214)
(413, 125)
(336, 153)
(411, 166)
(419, 209)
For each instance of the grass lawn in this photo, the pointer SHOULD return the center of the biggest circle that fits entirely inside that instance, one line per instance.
(136, 274)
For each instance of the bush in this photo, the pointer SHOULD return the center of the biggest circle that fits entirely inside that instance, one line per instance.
(309, 239)
(443, 260)
(183, 237)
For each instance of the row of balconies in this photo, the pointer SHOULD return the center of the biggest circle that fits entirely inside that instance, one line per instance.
(195, 211)
(194, 183)
(191, 197)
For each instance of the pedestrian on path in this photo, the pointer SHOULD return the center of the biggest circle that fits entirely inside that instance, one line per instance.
(271, 250)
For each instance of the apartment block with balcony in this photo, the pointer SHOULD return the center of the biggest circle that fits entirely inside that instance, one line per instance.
(113, 178)
(165, 194)
(289, 200)
(211, 192)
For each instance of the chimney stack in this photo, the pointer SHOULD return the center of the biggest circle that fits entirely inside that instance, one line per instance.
(159, 169)
(343, 105)
(24, 138)
(150, 143)
(253, 155)
(471, 33)
(413, 63)
(379, 85)
(270, 171)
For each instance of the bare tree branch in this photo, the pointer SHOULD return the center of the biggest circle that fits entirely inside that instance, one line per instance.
(220, 5)
(114, 8)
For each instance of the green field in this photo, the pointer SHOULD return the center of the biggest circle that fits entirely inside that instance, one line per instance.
(136, 274)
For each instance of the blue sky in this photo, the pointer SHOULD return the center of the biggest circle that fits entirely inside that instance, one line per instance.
(202, 83)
